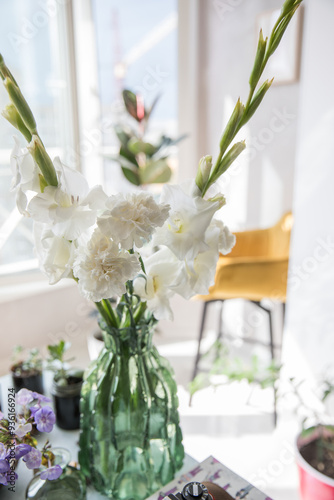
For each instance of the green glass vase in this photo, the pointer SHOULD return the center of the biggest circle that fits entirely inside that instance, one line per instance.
(130, 438)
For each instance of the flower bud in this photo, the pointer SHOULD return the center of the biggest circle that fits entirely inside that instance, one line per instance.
(232, 126)
(220, 198)
(257, 68)
(229, 158)
(21, 105)
(257, 99)
(43, 160)
(203, 171)
(11, 114)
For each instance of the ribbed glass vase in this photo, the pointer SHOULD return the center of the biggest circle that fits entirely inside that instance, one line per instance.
(130, 439)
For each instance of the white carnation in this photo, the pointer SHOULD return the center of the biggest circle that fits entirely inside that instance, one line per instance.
(103, 269)
(131, 218)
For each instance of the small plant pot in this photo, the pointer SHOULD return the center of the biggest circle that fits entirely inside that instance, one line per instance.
(313, 484)
(67, 402)
(32, 379)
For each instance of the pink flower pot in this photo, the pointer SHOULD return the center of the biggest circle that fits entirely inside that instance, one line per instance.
(313, 484)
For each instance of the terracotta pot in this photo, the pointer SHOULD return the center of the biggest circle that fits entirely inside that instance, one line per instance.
(313, 484)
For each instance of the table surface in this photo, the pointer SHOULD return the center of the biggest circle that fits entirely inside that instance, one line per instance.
(62, 439)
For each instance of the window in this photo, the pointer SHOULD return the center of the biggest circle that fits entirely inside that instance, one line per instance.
(35, 45)
(136, 49)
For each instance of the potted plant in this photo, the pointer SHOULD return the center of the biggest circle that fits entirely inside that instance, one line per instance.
(315, 446)
(66, 387)
(27, 373)
(142, 162)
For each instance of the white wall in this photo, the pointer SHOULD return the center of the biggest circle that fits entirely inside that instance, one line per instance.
(310, 314)
(259, 191)
(42, 317)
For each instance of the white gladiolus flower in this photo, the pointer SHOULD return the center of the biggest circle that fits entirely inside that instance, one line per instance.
(189, 218)
(199, 274)
(103, 269)
(70, 208)
(162, 272)
(26, 179)
(131, 218)
(226, 239)
(55, 254)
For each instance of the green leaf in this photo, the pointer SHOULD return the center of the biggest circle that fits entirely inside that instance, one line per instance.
(128, 155)
(149, 111)
(131, 175)
(130, 101)
(123, 135)
(166, 141)
(137, 146)
(155, 172)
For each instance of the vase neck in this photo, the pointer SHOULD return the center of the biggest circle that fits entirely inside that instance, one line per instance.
(131, 340)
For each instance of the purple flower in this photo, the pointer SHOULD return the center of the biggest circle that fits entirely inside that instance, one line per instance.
(45, 419)
(22, 428)
(33, 410)
(40, 397)
(24, 397)
(21, 450)
(33, 459)
(3, 479)
(4, 466)
(52, 473)
(3, 451)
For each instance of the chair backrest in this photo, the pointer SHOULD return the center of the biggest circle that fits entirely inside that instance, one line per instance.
(271, 242)
(279, 237)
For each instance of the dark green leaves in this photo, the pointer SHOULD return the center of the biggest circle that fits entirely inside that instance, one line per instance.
(142, 161)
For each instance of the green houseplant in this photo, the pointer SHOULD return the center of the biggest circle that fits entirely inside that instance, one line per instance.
(142, 162)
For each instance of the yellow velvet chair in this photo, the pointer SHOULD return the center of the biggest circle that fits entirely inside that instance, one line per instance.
(256, 269)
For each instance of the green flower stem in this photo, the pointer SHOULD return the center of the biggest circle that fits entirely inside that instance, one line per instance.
(242, 114)
(139, 312)
(107, 313)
